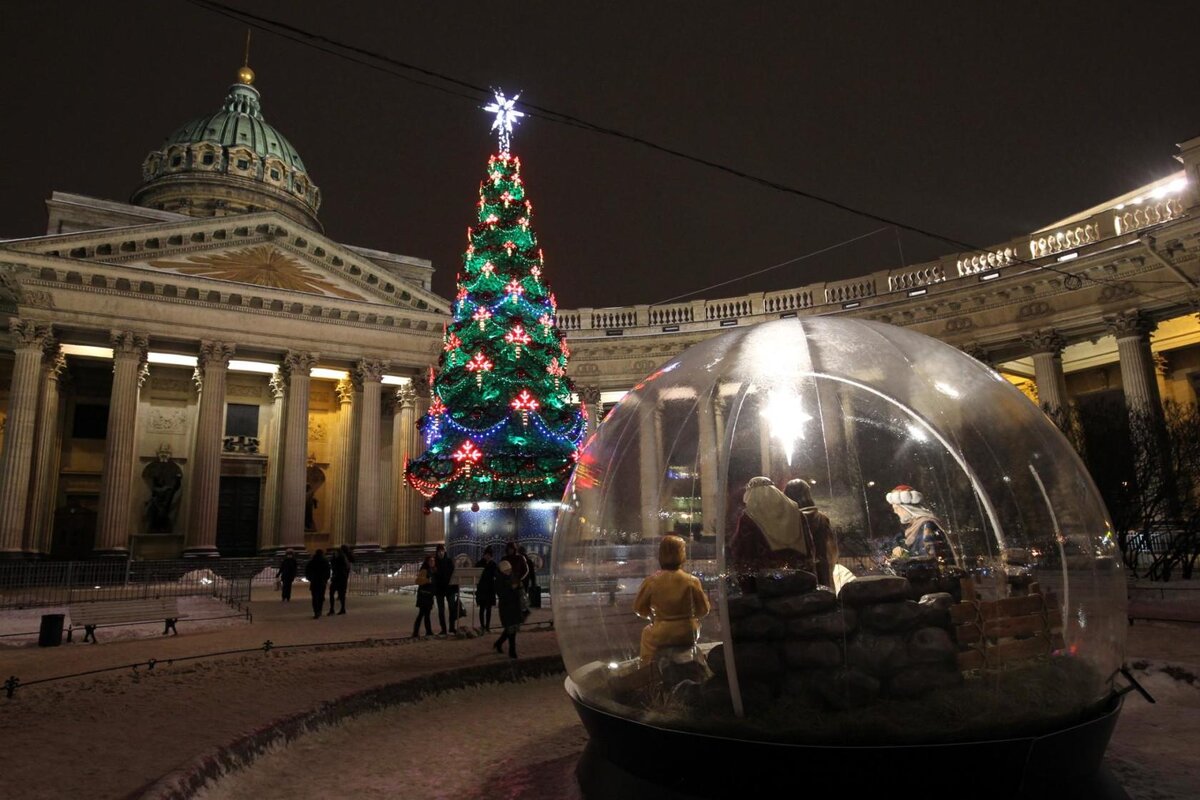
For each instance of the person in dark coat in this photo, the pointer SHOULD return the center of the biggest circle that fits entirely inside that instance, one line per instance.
(443, 590)
(771, 534)
(509, 596)
(317, 573)
(425, 580)
(529, 585)
(825, 547)
(485, 590)
(520, 573)
(339, 567)
(287, 575)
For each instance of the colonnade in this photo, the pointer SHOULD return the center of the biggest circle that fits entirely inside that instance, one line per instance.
(373, 509)
(1132, 331)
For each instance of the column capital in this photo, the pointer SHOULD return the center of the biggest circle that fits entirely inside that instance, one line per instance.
(1130, 324)
(406, 396)
(977, 352)
(1044, 341)
(129, 344)
(30, 334)
(370, 370)
(344, 391)
(198, 379)
(298, 362)
(56, 361)
(215, 354)
(589, 394)
(277, 385)
(143, 373)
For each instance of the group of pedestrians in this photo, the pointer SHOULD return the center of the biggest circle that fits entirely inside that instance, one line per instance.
(506, 584)
(434, 586)
(320, 572)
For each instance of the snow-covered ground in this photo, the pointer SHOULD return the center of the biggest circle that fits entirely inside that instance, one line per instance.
(19, 627)
(109, 734)
(498, 741)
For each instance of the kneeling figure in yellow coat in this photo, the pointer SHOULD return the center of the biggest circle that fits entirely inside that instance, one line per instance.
(672, 600)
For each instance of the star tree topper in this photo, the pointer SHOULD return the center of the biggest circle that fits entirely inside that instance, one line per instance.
(506, 118)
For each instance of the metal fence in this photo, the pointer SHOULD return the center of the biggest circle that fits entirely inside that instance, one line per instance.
(37, 584)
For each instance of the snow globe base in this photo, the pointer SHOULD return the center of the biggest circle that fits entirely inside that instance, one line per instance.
(627, 758)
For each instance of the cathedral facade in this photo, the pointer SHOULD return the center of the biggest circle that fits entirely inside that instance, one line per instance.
(202, 371)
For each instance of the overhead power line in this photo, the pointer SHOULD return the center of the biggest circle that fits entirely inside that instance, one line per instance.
(428, 78)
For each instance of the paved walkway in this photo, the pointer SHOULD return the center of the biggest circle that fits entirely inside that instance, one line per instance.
(109, 734)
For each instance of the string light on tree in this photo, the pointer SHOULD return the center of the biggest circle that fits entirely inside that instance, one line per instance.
(467, 455)
(525, 402)
(479, 364)
(518, 446)
(517, 337)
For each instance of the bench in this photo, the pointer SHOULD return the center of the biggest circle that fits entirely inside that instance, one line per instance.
(89, 616)
(608, 586)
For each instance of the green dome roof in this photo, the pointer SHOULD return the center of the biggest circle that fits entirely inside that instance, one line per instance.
(239, 122)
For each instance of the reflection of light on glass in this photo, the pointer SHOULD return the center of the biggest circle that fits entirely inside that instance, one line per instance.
(947, 390)
(918, 434)
(870, 483)
(613, 665)
(785, 418)
(1082, 617)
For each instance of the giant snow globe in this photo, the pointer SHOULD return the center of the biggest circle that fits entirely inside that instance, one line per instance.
(823, 551)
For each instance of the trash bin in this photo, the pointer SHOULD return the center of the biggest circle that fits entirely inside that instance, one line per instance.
(50, 634)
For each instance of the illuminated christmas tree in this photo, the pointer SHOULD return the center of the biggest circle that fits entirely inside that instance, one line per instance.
(501, 424)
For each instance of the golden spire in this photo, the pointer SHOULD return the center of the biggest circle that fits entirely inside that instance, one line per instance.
(245, 74)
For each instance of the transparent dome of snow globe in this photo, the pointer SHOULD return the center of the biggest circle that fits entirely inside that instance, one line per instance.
(884, 543)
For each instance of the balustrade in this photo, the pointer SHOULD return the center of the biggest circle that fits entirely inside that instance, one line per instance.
(855, 290)
(917, 277)
(670, 315)
(614, 318)
(1132, 218)
(793, 300)
(726, 309)
(982, 262)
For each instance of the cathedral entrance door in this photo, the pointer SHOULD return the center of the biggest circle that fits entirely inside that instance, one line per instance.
(237, 516)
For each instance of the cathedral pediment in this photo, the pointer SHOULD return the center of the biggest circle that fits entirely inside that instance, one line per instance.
(260, 265)
(262, 250)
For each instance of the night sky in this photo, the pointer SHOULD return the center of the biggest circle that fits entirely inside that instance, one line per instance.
(977, 120)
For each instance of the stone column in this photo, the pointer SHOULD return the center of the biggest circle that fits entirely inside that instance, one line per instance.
(17, 459)
(1047, 347)
(388, 456)
(370, 373)
(112, 520)
(47, 448)
(342, 527)
(651, 476)
(296, 368)
(706, 419)
(418, 519)
(404, 445)
(764, 443)
(589, 396)
(1133, 330)
(210, 438)
(269, 536)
